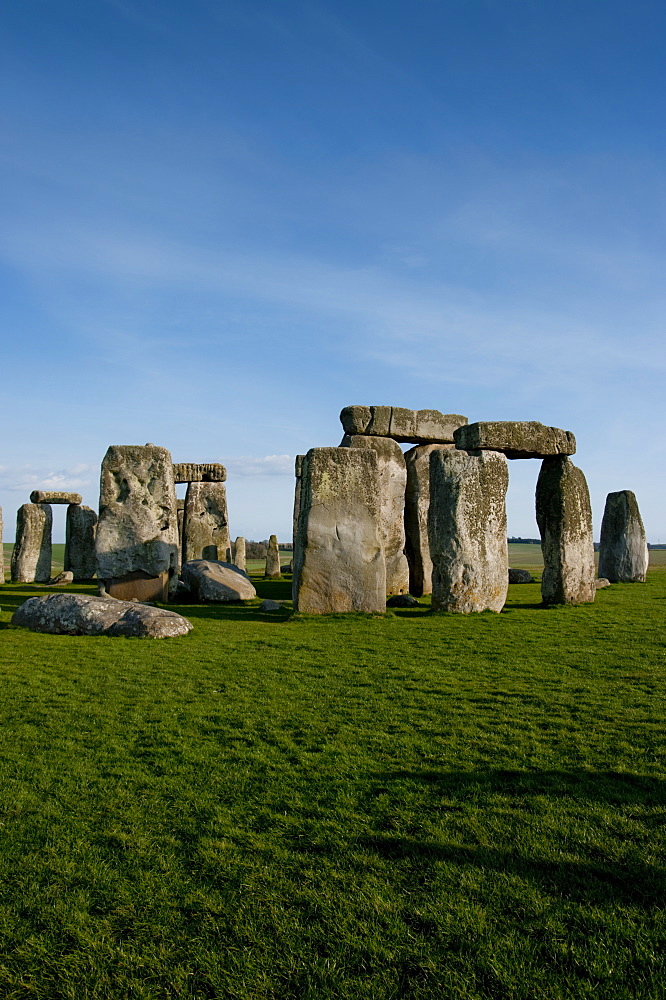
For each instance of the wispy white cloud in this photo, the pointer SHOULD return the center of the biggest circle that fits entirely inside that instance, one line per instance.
(267, 465)
(25, 478)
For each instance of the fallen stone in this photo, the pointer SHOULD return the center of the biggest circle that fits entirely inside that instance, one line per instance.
(211, 581)
(206, 523)
(80, 529)
(239, 555)
(416, 426)
(520, 576)
(197, 472)
(54, 496)
(392, 473)
(402, 601)
(467, 530)
(601, 583)
(417, 504)
(564, 517)
(623, 549)
(515, 438)
(81, 614)
(272, 559)
(62, 579)
(31, 557)
(338, 555)
(270, 606)
(136, 543)
(288, 568)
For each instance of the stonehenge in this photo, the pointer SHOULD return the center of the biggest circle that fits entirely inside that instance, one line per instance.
(417, 505)
(80, 528)
(31, 558)
(2, 552)
(564, 517)
(273, 569)
(206, 522)
(238, 551)
(410, 426)
(54, 496)
(515, 439)
(623, 550)
(196, 472)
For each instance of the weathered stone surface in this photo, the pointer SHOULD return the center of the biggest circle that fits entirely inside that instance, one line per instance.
(31, 558)
(392, 473)
(416, 426)
(623, 549)
(515, 438)
(62, 579)
(338, 556)
(272, 559)
(180, 513)
(297, 495)
(54, 496)
(402, 601)
(136, 543)
(2, 553)
(417, 504)
(80, 529)
(467, 530)
(239, 558)
(564, 517)
(81, 614)
(270, 606)
(601, 583)
(206, 523)
(520, 576)
(211, 580)
(198, 472)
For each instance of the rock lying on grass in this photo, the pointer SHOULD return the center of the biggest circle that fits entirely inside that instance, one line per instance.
(81, 614)
(209, 580)
(269, 605)
(601, 582)
(520, 576)
(62, 579)
(402, 601)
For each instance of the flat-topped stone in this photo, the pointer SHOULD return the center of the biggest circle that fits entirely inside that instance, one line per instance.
(199, 472)
(515, 438)
(54, 496)
(415, 426)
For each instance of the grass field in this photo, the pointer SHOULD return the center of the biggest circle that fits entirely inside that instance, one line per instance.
(399, 806)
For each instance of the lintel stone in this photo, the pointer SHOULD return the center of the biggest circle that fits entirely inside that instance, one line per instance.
(515, 438)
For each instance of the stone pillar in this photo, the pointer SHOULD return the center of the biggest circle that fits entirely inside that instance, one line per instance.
(392, 473)
(239, 554)
(136, 544)
(31, 558)
(206, 522)
(338, 556)
(80, 530)
(2, 552)
(180, 505)
(297, 495)
(273, 571)
(467, 530)
(623, 552)
(564, 517)
(417, 504)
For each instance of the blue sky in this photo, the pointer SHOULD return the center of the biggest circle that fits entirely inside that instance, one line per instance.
(223, 221)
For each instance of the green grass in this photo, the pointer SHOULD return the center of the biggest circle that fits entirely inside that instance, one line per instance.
(399, 806)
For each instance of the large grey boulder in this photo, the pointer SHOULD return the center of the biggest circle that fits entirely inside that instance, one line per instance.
(54, 496)
(515, 438)
(623, 550)
(206, 522)
(136, 543)
(80, 528)
(199, 472)
(81, 614)
(467, 530)
(273, 570)
(239, 553)
(416, 426)
(520, 576)
(564, 517)
(62, 579)
(392, 473)
(214, 581)
(31, 558)
(338, 555)
(417, 505)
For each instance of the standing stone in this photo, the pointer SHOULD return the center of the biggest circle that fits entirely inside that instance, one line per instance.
(31, 558)
(467, 530)
(180, 505)
(417, 504)
(136, 544)
(2, 552)
(297, 495)
(564, 517)
(273, 570)
(206, 523)
(392, 485)
(80, 530)
(239, 554)
(338, 556)
(623, 552)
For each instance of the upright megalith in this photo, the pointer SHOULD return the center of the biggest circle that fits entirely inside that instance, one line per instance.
(240, 560)
(80, 528)
(31, 558)
(417, 505)
(467, 530)
(180, 505)
(136, 543)
(392, 473)
(564, 517)
(338, 556)
(298, 470)
(623, 551)
(273, 570)
(2, 552)
(206, 522)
